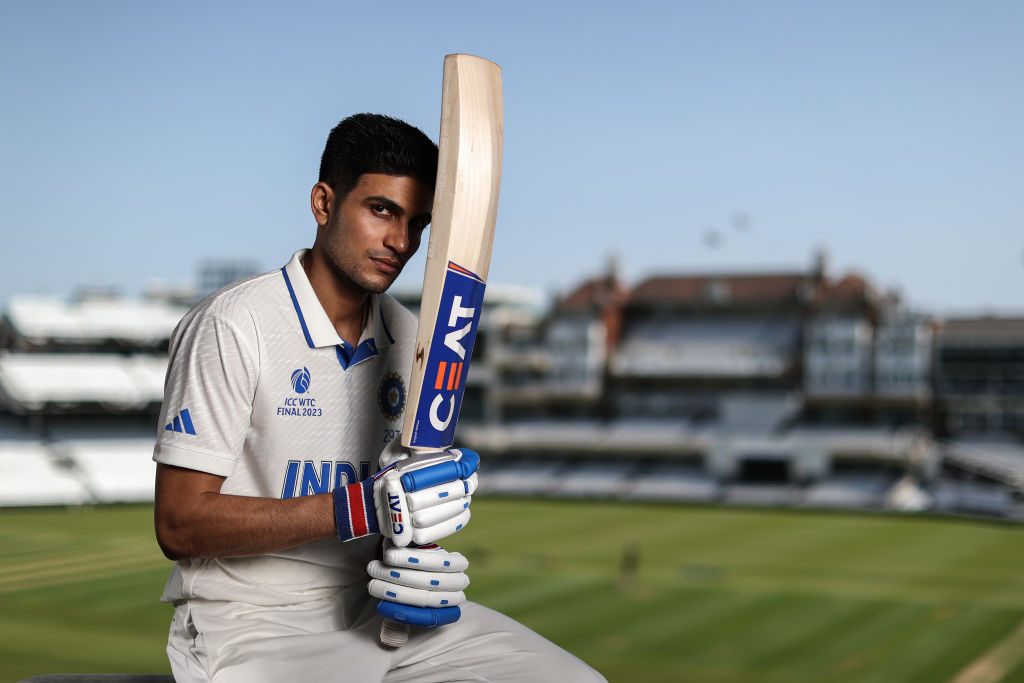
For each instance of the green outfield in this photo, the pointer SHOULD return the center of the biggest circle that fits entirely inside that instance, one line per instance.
(721, 595)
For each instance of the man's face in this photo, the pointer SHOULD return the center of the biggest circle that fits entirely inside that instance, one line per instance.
(371, 234)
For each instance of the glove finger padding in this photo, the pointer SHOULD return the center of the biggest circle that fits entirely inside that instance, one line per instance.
(444, 529)
(416, 578)
(440, 513)
(415, 596)
(431, 558)
(439, 495)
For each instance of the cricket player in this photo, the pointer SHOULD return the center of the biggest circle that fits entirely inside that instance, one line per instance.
(281, 416)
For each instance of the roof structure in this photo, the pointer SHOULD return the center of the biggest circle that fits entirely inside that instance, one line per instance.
(593, 295)
(723, 290)
(987, 332)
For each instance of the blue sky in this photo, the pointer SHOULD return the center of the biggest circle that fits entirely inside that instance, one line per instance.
(141, 138)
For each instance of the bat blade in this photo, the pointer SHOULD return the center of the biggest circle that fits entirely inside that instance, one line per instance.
(459, 249)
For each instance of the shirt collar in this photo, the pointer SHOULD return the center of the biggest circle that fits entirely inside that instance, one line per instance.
(317, 328)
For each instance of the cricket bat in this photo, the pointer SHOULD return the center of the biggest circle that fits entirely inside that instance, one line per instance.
(458, 257)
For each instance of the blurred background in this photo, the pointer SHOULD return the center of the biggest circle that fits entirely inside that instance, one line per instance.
(750, 383)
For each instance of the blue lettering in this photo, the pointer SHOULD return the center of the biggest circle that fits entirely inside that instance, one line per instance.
(313, 484)
(344, 474)
(291, 474)
(317, 476)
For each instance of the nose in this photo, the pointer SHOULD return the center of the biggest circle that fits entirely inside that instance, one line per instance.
(397, 238)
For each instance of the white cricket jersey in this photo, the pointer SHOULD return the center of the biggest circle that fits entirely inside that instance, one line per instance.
(261, 390)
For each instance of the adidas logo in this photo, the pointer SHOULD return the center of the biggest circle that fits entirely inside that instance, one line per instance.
(182, 422)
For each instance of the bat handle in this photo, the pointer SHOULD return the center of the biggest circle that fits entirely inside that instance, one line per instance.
(394, 633)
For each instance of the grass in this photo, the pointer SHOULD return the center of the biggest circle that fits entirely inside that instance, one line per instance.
(719, 595)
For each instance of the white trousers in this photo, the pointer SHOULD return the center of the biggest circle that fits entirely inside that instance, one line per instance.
(338, 640)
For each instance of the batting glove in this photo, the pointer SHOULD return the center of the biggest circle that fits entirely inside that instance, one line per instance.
(418, 500)
(420, 586)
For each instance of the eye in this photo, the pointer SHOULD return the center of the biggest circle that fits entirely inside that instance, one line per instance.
(380, 209)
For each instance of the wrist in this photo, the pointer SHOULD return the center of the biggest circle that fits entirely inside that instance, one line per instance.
(355, 514)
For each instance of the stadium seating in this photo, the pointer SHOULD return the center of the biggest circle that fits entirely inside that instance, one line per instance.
(520, 477)
(119, 471)
(742, 493)
(850, 490)
(593, 480)
(673, 482)
(31, 475)
(45, 319)
(972, 497)
(35, 380)
(1003, 459)
(733, 348)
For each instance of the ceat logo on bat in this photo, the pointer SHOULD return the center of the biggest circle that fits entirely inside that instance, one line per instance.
(451, 349)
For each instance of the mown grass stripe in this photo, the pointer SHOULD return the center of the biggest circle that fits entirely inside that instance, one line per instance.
(73, 573)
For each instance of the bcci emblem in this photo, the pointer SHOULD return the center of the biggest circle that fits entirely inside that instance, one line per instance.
(391, 397)
(301, 380)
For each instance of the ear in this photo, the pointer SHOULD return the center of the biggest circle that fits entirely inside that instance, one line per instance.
(321, 202)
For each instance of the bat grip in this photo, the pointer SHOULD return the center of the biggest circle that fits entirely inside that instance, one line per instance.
(394, 633)
(442, 472)
(435, 475)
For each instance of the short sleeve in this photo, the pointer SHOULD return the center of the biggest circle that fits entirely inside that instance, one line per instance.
(208, 393)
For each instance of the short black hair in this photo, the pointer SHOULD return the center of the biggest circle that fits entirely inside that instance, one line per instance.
(374, 143)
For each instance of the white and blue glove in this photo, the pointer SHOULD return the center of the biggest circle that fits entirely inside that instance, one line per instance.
(418, 500)
(419, 586)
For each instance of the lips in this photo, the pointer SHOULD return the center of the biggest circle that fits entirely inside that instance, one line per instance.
(387, 266)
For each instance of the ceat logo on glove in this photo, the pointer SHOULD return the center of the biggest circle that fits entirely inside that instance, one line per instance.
(395, 504)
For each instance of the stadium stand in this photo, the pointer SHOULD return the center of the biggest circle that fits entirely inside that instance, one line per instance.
(671, 481)
(525, 477)
(32, 381)
(877, 443)
(1001, 459)
(850, 490)
(594, 479)
(738, 348)
(628, 437)
(31, 475)
(973, 497)
(47, 321)
(778, 495)
(684, 389)
(114, 464)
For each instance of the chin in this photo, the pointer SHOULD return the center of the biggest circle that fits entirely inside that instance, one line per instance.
(377, 284)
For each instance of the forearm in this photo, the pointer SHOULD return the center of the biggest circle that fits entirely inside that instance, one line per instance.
(220, 525)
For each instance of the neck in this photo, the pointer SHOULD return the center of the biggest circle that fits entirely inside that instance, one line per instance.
(345, 302)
